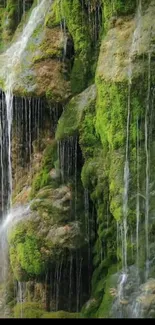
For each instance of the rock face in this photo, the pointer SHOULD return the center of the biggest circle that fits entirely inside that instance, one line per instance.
(72, 117)
(43, 71)
(83, 104)
(146, 299)
(129, 39)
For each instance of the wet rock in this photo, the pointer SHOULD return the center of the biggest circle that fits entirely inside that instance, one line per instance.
(148, 287)
(124, 302)
(54, 173)
(113, 61)
(66, 236)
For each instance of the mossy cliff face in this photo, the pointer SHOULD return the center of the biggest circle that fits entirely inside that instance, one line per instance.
(91, 62)
(121, 52)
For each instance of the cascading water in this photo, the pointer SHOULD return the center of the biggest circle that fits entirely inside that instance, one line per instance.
(124, 227)
(136, 286)
(147, 171)
(15, 215)
(9, 61)
(137, 204)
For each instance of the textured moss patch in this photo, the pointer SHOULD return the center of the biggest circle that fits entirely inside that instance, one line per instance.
(28, 310)
(106, 304)
(117, 8)
(77, 24)
(25, 256)
(71, 119)
(42, 178)
(60, 314)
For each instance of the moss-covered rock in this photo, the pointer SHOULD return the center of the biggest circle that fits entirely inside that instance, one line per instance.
(104, 310)
(57, 238)
(76, 20)
(42, 71)
(70, 121)
(28, 310)
(35, 310)
(25, 255)
(60, 314)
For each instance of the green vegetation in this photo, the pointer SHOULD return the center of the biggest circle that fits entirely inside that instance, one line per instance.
(35, 310)
(25, 257)
(43, 178)
(71, 233)
(117, 8)
(71, 119)
(77, 23)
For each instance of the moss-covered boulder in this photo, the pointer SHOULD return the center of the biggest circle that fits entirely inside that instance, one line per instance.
(42, 71)
(41, 238)
(71, 119)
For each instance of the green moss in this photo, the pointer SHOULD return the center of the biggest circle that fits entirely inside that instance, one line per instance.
(29, 255)
(88, 169)
(105, 306)
(117, 8)
(25, 256)
(77, 24)
(28, 310)
(71, 119)
(46, 210)
(111, 113)
(60, 314)
(9, 22)
(53, 18)
(43, 178)
(35, 310)
(90, 308)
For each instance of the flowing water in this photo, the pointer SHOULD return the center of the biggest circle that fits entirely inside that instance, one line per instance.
(135, 287)
(123, 277)
(9, 61)
(15, 215)
(137, 202)
(147, 171)
(134, 47)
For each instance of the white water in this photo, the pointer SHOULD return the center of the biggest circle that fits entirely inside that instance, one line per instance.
(15, 215)
(11, 219)
(9, 61)
(147, 171)
(8, 67)
(134, 47)
(124, 226)
(137, 203)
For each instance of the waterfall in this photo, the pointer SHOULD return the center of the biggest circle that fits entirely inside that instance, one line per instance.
(75, 165)
(58, 274)
(9, 61)
(137, 202)
(126, 187)
(147, 170)
(15, 215)
(70, 281)
(20, 296)
(118, 306)
(134, 47)
(87, 227)
(9, 106)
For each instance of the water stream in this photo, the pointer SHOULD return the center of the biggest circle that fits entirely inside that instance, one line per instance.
(147, 171)
(9, 61)
(123, 278)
